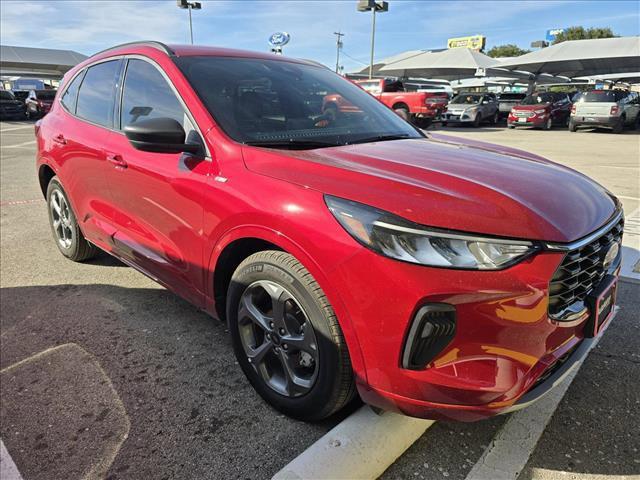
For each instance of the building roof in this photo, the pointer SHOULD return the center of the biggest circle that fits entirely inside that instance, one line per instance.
(37, 62)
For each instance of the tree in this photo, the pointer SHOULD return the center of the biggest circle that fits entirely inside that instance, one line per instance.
(508, 50)
(581, 33)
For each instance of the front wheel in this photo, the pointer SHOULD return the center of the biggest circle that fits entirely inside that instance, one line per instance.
(548, 124)
(286, 337)
(494, 119)
(572, 126)
(64, 226)
(619, 126)
(477, 120)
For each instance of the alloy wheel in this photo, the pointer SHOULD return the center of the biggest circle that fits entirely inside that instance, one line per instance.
(278, 338)
(61, 219)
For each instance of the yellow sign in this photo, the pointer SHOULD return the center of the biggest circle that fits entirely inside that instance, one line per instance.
(475, 42)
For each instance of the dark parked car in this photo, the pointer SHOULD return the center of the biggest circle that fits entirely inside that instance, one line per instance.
(10, 107)
(437, 277)
(541, 110)
(39, 102)
(508, 100)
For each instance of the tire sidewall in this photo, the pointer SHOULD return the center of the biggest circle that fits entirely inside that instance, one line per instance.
(328, 357)
(70, 252)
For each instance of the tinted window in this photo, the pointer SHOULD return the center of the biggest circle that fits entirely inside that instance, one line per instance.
(539, 98)
(282, 103)
(466, 99)
(70, 95)
(45, 94)
(95, 100)
(608, 96)
(148, 95)
(4, 95)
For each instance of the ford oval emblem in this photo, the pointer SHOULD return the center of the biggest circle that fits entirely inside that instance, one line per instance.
(611, 255)
(279, 39)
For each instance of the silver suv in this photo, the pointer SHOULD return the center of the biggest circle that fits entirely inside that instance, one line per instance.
(614, 109)
(472, 108)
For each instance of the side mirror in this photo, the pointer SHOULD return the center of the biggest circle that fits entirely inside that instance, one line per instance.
(159, 135)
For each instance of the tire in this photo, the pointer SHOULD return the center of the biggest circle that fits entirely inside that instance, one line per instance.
(444, 124)
(494, 119)
(403, 113)
(324, 382)
(477, 121)
(636, 124)
(67, 234)
(548, 124)
(572, 126)
(619, 127)
(510, 126)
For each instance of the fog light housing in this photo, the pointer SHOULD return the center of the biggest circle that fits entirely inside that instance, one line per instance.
(433, 327)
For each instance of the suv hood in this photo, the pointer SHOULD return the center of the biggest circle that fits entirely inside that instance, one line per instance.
(440, 182)
(529, 108)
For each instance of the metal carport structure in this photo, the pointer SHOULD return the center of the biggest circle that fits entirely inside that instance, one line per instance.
(43, 63)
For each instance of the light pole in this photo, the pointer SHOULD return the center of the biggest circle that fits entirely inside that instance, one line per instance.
(339, 36)
(374, 6)
(189, 6)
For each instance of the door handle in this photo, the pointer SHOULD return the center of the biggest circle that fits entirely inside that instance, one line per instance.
(116, 160)
(60, 139)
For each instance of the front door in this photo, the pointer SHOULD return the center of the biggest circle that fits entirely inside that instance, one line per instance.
(158, 196)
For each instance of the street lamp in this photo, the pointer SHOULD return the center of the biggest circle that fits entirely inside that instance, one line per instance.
(374, 6)
(189, 6)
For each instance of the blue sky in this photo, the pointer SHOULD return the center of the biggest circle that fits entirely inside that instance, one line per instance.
(89, 26)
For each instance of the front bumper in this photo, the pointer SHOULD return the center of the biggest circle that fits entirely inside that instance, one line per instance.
(457, 118)
(504, 342)
(536, 121)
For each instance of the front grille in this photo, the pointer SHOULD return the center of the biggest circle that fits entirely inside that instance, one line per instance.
(580, 272)
(522, 114)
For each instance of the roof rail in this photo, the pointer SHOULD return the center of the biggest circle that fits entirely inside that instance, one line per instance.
(143, 43)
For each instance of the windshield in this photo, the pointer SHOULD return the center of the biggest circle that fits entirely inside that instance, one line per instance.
(466, 99)
(46, 94)
(4, 95)
(258, 101)
(512, 96)
(372, 86)
(608, 96)
(538, 98)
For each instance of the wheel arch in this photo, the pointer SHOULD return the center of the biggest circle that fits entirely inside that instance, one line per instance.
(243, 241)
(45, 174)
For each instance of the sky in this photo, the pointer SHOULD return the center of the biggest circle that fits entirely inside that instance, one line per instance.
(91, 26)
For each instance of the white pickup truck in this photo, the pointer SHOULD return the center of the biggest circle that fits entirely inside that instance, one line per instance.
(614, 109)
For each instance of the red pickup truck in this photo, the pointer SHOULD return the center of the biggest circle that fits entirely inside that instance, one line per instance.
(418, 107)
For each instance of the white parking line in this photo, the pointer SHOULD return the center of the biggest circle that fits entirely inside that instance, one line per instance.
(21, 127)
(510, 449)
(19, 145)
(361, 447)
(631, 246)
(8, 469)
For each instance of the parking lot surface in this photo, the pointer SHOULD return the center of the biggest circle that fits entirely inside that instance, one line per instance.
(106, 374)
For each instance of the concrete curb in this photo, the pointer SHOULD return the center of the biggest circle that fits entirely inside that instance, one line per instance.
(361, 447)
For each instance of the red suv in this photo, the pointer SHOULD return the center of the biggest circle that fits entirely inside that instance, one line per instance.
(541, 110)
(349, 253)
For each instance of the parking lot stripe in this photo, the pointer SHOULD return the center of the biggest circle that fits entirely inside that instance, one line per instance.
(21, 127)
(8, 469)
(511, 448)
(19, 145)
(361, 447)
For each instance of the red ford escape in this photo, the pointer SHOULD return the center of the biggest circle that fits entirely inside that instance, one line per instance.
(347, 252)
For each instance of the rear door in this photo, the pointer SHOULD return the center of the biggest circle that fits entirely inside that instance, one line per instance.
(158, 196)
(78, 134)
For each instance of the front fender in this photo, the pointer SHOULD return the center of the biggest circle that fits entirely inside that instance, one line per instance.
(290, 246)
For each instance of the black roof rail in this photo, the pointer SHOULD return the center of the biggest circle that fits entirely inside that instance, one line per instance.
(143, 43)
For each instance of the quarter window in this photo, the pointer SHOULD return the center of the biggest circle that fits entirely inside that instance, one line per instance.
(70, 95)
(148, 95)
(96, 96)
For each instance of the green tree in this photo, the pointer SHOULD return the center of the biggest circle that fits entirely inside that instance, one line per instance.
(581, 33)
(508, 50)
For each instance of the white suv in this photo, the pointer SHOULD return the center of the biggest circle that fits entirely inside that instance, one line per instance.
(612, 109)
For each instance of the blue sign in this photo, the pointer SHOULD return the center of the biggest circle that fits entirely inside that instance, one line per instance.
(553, 33)
(279, 39)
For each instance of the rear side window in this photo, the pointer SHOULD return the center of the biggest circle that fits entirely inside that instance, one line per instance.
(95, 99)
(148, 95)
(70, 96)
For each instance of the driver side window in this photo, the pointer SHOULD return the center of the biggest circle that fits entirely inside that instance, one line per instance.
(148, 95)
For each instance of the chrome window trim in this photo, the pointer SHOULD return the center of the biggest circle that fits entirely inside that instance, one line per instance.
(565, 247)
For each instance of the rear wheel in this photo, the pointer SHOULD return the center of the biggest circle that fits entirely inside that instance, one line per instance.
(64, 226)
(477, 120)
(572, 126)
(286, 337)
(548, 124)
(619, 126)
(495, 118)
(403, 113)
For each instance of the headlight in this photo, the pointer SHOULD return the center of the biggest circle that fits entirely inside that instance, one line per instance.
(401, 239)
(540, 111)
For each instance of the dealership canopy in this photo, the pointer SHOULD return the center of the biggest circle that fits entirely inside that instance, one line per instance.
(582, 58)
(454, 63)
(37, 62)
(394, 58)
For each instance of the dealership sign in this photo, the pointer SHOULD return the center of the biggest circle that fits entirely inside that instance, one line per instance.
(279, 39)
(553, 33)
(474, 42)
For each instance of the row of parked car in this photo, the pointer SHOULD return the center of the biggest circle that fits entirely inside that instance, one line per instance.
(614, 109)
(21, 104)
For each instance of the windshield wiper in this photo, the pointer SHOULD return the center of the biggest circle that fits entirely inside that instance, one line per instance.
(291, 144)
(382, 138)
